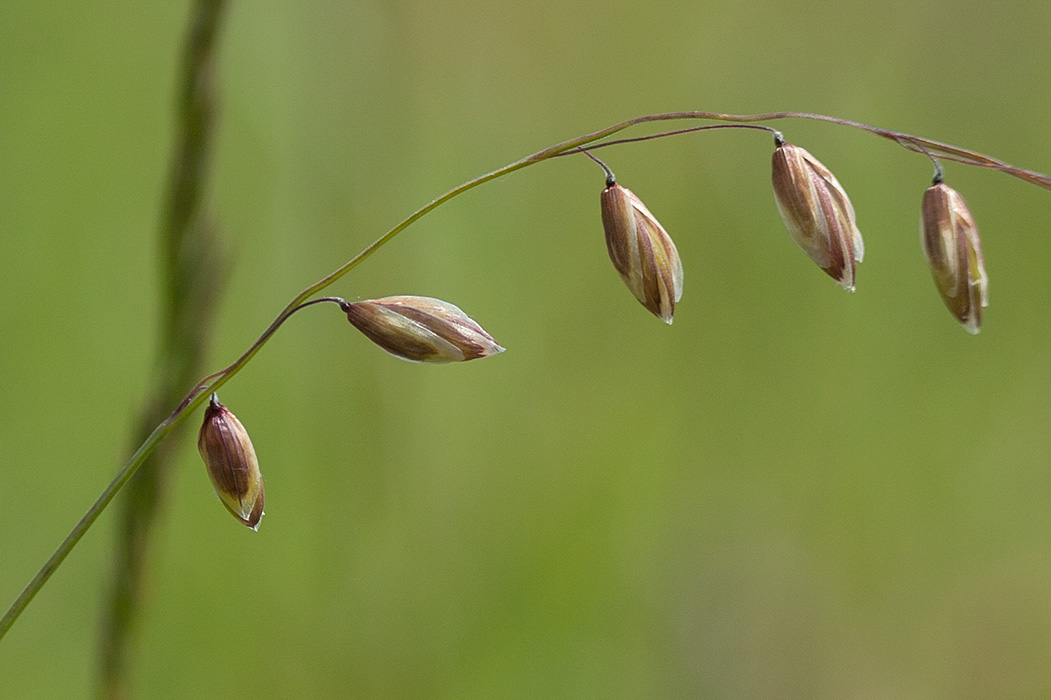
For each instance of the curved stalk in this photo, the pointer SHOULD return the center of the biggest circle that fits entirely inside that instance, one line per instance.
(213, 381)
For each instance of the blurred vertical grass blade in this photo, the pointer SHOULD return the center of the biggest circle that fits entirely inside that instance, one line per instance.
(192, 272)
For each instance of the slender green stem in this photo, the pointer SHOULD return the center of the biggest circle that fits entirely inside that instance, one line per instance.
(917, 144)
(778, 137)
(53, 562)
(213, 381)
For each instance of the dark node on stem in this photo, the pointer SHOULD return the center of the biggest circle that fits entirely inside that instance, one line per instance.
(939, 174)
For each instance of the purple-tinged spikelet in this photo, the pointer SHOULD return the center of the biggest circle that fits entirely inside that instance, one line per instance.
(232, 465)
(642, 251)
(421, 329)
(817, 213)
(954, 254)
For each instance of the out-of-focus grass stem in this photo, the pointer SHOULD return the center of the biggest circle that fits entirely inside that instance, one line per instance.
(191, 274)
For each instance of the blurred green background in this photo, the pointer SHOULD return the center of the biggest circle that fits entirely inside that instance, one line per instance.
(793, 492)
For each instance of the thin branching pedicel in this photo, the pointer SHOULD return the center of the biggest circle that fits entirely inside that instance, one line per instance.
(813, 204)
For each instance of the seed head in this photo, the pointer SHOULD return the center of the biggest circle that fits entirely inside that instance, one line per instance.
(232, 465)
(421, 329)
(817, 212)
(642, 251)
(954, 254)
